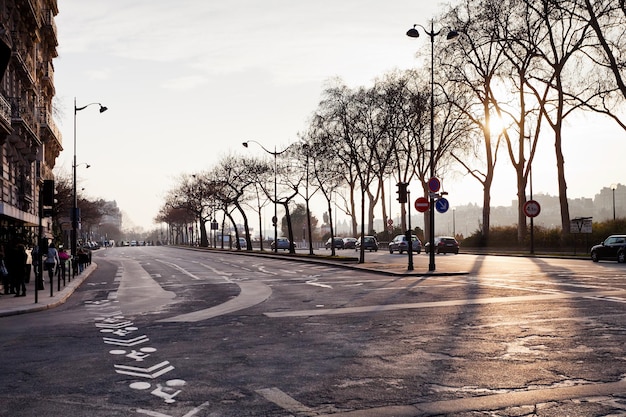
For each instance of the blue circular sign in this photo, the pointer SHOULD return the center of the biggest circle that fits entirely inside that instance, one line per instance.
(434, 184)
(442, 205)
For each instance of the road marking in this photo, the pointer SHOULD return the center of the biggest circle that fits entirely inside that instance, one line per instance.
(160, 368)
(127, 343)
(191, 413)
(317, 284)
(251, 293)
(220, 273)
(284, 401)
(449, 303)
(490, 402)
(173, 265)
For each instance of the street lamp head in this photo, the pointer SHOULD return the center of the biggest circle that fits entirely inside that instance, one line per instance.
(87, 165)
(245, 144)
(413, 32)
(103, 108)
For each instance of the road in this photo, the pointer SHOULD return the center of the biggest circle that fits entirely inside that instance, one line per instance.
(158, 331)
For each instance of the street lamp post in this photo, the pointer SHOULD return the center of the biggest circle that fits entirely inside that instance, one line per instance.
(613, 187)
(275, 218)
(75, 215)
(414, 33)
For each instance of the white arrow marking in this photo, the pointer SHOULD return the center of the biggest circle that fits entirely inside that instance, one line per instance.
(144, 372)
(189, 414)
(132, 342)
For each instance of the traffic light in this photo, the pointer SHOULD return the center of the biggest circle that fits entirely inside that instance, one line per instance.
(402, 193)
(48, 193)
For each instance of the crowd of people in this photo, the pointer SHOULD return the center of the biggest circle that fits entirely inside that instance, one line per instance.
(18, 263)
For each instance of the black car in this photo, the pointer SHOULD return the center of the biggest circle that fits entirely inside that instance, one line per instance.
(399, 244)
(337, 242)
(444, 244)
(369, 243)
(613, 248)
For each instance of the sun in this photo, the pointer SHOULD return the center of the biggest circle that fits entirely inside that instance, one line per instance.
(496, 125)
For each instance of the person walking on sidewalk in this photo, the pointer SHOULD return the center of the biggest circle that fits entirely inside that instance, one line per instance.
(6, 284)
(52, 260)
(29, 264)
(17, 267)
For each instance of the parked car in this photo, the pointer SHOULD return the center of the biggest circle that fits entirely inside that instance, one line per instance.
(369, 243)
(283, 243)
(349, 242)
(399, 244)
(613, 248)
(444, 244)
(243, 243)
(337, 242)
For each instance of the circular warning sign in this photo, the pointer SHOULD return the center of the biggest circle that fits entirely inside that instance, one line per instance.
(531, 208)
(422, 205)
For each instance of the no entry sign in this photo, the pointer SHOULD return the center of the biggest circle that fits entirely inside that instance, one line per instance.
(422, 205)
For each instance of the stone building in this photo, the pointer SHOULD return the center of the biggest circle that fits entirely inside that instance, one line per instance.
(30, 141)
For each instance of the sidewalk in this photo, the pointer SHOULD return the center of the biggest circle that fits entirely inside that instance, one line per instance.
(11, 305)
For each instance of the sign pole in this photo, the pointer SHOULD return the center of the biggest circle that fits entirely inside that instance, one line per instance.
(409, 234)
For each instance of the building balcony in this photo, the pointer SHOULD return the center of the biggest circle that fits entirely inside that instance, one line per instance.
(47, 76)
(24, 61)
(23, 117)
(49, 129)
(50, 28)
(5, 116)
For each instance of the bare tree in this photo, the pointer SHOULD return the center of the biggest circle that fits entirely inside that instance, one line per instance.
(327, 170)
(471, 65)
(344, 114)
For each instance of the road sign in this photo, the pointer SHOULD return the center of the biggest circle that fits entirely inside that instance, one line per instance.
(422, 205)
(390, 228)
(531, 208)
(581, 225)
(389, 222)
(434, 184)
(442, 205)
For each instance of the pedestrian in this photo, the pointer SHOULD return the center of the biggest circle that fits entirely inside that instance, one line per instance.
(63, 257)
(4, 272)
(36, 256)
(29, 264)
(52, 260)
(17, 268)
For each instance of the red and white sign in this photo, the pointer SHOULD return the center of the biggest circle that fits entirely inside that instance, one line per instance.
(531, 208)
(422, 205)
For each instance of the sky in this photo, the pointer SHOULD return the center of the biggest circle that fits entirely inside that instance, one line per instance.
(186, 82)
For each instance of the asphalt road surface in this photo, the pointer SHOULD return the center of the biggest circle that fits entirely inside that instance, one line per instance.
(159, 331)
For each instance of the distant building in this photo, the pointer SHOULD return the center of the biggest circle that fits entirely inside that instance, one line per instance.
(29, 139)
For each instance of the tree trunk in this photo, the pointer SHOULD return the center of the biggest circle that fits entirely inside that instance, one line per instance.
(560, 165)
